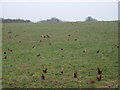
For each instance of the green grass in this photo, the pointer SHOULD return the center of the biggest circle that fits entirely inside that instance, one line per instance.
(0, 55)
(91, 36)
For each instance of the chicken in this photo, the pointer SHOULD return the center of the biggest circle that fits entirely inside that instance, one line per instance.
(75, 75)
(16, 35)
(9, 49)
(99, 77)
(117, 46)
(9, 32)
(62, 70)
(84, 51)
(97, 51)
(48, 36)
(4, 52)
(61, 48)
(33, 46)
(69, 35)
(38, 55)
(43, 77)
(5, 57)
(49, 43)
(45, 71)
(99, 71)
(92, 81)
(75, 39)
(9, 37)
(40, 41)
(44, 36)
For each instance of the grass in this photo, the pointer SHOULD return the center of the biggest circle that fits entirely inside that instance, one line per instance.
(0, 55)
(23, 68)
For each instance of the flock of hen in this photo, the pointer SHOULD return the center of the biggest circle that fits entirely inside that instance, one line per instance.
(75, 74)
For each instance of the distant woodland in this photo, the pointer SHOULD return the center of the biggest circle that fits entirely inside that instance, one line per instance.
(53, 19)
(14, 20)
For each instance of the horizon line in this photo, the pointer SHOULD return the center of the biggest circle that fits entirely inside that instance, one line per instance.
(57, 18)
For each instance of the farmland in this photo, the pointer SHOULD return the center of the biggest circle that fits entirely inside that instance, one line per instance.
(80, 47)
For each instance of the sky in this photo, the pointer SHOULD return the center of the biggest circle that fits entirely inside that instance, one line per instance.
(66, 11)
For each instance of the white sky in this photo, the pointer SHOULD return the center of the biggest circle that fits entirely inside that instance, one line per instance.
(59, 0)
(67, 11)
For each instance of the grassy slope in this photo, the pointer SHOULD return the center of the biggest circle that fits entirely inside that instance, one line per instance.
(91, 36)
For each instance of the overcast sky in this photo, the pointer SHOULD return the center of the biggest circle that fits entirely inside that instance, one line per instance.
(66, 11)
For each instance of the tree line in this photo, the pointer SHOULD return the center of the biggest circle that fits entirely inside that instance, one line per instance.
(53, 19)
(14, 20)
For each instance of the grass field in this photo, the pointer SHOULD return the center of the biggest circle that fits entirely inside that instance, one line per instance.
(0, 55)
(71, 46)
